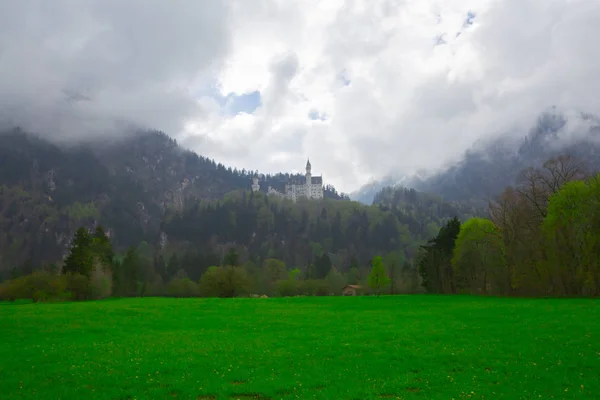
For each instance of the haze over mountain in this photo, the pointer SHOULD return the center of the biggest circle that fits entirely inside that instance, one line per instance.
(489, 166)
(364, 89)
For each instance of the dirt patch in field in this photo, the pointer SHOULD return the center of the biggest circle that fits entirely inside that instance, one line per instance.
(249, 396)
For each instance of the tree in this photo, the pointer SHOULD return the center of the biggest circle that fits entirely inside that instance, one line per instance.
(572, 232)
(478, 260)
(231, 258)
(228, 281)
(434, 259)
(322, 266)
(393, 262)
(81, 256)
(378, 277)
(335, 281)
(127, 274)
(273, 270)
(172, 267)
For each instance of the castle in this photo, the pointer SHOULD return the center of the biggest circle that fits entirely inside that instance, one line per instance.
(310, 187)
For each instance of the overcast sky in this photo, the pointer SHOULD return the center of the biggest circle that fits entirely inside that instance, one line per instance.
(362, 87)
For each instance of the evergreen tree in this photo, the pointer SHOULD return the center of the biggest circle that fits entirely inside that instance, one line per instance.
(231, 258)
(81, 256)
(172, 267)
(102, 247)
(322, 266)
(130, 272)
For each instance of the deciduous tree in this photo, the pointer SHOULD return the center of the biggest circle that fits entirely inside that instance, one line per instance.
(378, 278)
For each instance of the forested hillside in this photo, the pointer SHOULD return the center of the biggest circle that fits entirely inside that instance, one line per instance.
(182, 212)
(47, 191)
(542, 238)
(490, 165)
(264, 227)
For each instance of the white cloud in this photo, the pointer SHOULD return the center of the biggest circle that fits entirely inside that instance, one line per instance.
(410, 104)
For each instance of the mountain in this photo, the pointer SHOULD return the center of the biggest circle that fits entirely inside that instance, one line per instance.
(488, 167)
(128, 185)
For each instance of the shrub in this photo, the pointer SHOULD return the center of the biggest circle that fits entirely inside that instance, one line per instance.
(156, 287)
(313, 287)
(224, 282)
(182, 287)
(15, 289)
(40, 286)
(286, 288)
(100, 285)
(78, 286)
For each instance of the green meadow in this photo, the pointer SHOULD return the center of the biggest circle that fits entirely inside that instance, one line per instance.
(400, 347)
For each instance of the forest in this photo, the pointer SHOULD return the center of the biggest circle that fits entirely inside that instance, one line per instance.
(538, 238)
(542, 238)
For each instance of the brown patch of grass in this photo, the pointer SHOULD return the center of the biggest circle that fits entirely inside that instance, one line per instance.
(238, 382)
(249, 396)
(413, 389)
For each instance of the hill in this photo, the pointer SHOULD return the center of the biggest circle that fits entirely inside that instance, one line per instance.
(489, 166)
(348, 234)
(127, 185)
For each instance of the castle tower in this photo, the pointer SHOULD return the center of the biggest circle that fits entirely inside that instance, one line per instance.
(308, 179)
(255, 186)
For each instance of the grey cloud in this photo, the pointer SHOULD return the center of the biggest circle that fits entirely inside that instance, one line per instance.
(127, 61)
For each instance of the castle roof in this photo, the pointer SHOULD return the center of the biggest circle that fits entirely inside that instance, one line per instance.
(307, 163)
(316, 180)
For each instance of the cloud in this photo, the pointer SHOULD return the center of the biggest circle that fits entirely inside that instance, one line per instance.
(74, 68)
(363, 88)
(395, 101)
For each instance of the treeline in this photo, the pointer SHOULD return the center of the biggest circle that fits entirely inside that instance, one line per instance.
(47, 191)
(542, 239)
(93, 271)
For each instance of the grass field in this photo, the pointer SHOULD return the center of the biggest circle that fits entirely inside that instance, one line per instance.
(403, 347)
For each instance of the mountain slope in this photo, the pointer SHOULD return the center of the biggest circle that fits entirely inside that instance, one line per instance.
(127, 185)
(488, 167)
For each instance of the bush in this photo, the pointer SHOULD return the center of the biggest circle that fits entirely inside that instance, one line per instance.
(286, 288)
(15, 289)
(100, 285)
(224, 282)
(155, 287)
(313, 287)
(78, 286)
(182, 287)
(40, 286)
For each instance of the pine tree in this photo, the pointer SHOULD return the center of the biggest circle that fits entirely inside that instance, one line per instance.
(81, 256)
(102, 247)
(322, 266)
(231, 258)
(131, 271)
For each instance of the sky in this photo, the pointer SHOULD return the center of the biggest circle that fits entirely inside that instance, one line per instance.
(362, 88)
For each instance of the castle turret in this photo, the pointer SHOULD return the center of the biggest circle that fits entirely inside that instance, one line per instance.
(255, 185)
(308, 177)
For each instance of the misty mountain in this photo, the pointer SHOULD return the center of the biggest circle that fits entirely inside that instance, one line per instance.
(488, 167)
(128, 185)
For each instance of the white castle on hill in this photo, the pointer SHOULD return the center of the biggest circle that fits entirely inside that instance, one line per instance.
(310, 187)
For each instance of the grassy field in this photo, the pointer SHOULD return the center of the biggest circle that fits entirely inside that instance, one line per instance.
(403, 347)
